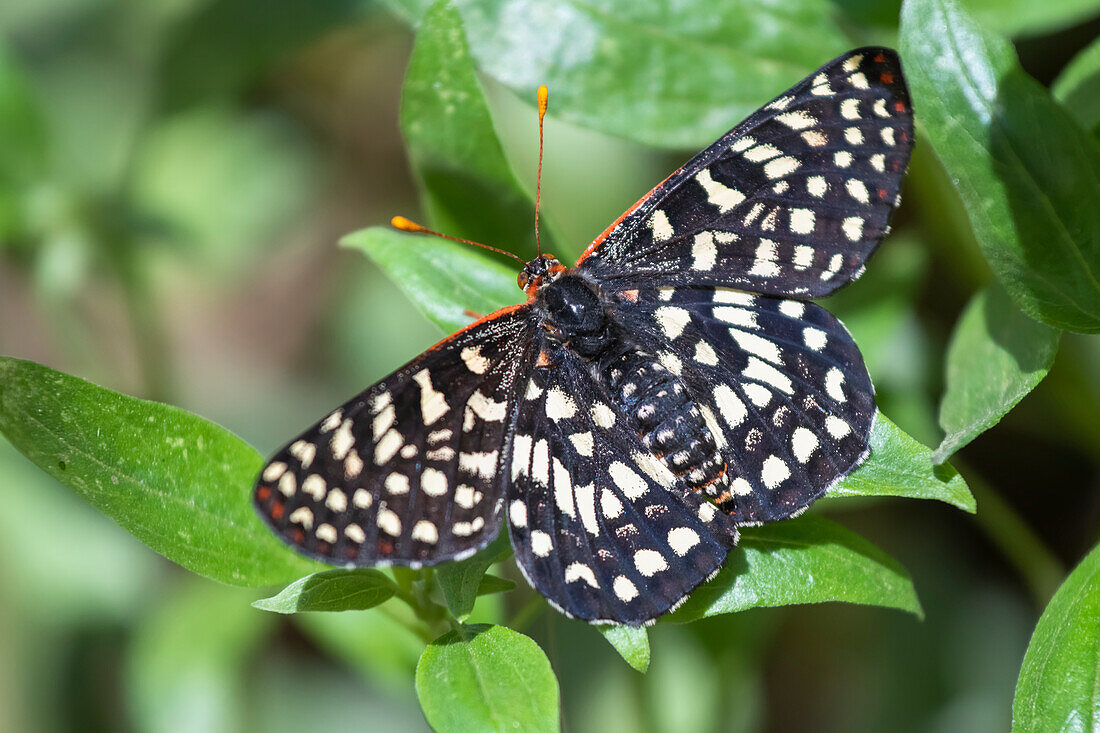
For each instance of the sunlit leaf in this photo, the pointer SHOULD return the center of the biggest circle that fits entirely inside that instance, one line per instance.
(487, 678)
(331, 590)
(442, 278)
(467, 184)
(1021, 164)
(900, 466)
(996, 356)
(178, 483)
(631, 642)
(1059, 686)
(672, 75)
(804, 560)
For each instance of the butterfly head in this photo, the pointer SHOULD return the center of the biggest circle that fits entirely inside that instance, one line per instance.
(540, 271)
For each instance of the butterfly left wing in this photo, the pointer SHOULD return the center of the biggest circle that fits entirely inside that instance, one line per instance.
(407, 471)
(599, 526)
(790, 202)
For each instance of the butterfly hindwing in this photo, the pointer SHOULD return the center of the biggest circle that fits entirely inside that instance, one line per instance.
(600, 527)
(782, 383)
(790, 202)
(407, 471)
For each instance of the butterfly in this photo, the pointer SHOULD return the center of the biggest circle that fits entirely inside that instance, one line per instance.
(674, 384)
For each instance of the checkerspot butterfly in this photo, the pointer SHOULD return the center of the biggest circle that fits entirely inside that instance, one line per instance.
(674, 384)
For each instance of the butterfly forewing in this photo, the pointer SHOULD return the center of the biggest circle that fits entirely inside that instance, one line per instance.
(407, 472)
(790, 202)
(599, 526)
(783, 386)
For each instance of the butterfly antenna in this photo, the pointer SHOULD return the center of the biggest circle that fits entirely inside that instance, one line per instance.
(544, 101)
(407, 225)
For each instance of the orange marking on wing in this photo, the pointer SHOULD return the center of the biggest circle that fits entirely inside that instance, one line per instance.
(887, 77)
(543, 360)
(881, 58)
(277, 510)
(263, 493)
(603, 235)
(899, 106)
(298, 536)
(631, 295)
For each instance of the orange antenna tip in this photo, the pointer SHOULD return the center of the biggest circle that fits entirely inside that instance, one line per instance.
(406, 225)
(544, 101)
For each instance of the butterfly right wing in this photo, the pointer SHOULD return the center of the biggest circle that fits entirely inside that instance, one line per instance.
(407, 471)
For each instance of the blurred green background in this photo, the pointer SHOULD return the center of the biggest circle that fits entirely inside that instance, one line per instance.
(174, 177)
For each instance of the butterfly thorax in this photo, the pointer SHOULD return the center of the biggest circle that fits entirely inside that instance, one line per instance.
(652, 397)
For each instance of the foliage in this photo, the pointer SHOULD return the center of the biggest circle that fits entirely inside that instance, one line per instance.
(177, 167)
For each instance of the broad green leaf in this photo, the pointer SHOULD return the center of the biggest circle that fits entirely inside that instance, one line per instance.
(1027, 17)
(487, 678)
(467, 185)
(1059, 686)
(996, 356)
(443, 279)
(178, 483)
(804, 560)
(189, 660)
(900, 466)
(1021, 164)
(631, 642)
(461, 581)
(331, 590)
(1078, 87)
(673, 75)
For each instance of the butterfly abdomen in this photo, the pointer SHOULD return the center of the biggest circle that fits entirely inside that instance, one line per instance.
(667, 420)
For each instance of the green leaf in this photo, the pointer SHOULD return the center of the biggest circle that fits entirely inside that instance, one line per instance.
(1014, 17)
(467, 185)
(1059, 686)
(461, 581)
(490, 584)
(996, 356)
(1078, 87)
(178, 483)
(671, 75)
(23, 143)
(443, 279)
(331, 590)
(1021, 164)
(631, 642)
(900, 466)
(487, 678)
(804, 560)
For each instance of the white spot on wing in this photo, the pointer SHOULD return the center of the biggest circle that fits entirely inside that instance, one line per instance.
(662, 229)
(541, 544)
(583, 443)
(704, 253)
(815, 338)
(433, 482)
(559, 405)
(649, 562)
(624, 589)
(631, 484)
(718, 194)
(682, 539)
(774, 472)
(803, 444)
(432, 404)
(672, 320)
(834, 381)
(730, 406)
(474, 361)
(424, 531)
(517, 513)
(579, 571)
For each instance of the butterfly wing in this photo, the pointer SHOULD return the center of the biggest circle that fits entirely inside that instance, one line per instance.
(780, 382)
(407, 471)
(600, 527)
(790, 202)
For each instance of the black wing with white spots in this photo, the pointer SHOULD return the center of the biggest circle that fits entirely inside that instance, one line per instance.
(781, 384)
(790, 202)
(599, 526)
(407, 472)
